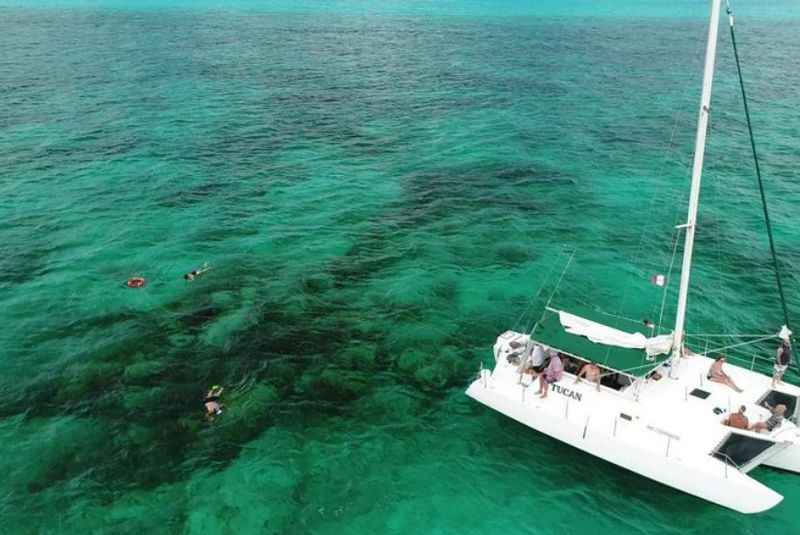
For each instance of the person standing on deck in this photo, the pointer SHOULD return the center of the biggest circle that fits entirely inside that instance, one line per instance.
(782, 359)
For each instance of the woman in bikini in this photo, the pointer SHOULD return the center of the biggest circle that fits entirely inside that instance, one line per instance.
(716, 374)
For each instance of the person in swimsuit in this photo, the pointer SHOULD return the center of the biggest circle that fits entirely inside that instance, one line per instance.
(716, 374)
(551, 374)
(212, 402)
(782, 360)
(193, 274)
(135, 282)
(738, 419)
(773, 422)
(590, 372)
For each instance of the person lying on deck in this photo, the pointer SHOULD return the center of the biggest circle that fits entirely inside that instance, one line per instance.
(716, 374)
(551, 374)
(738, 419)
(773, 422)
(590, 372)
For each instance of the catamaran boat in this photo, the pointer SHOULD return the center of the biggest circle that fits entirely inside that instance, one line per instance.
(661, 415)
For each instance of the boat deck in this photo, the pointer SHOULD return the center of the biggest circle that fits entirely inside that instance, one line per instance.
(669, 429)
(680, 413)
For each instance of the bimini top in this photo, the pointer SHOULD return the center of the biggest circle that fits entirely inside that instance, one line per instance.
(611, 345)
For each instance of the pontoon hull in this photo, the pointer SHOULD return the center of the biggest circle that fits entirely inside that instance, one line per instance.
(788, 459)
(707, 478)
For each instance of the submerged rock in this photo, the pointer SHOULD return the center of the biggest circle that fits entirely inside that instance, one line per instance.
(143, 371)
(334, 384)
(358, 356)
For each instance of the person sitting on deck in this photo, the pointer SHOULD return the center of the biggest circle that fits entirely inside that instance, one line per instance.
(782, 360)
(773, 422)
(716, 374)
(537, 359)
(738, 419)
(551, 374)
(532, 363)
(590, 372)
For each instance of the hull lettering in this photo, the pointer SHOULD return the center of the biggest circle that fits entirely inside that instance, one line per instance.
(567, 392)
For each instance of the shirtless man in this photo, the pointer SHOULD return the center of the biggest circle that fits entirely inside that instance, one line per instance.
(738, 419)
(716, 374)
(590, 372)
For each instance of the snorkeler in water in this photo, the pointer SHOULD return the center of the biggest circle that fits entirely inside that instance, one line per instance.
(212, 402)
(197, 272)
(135, 282)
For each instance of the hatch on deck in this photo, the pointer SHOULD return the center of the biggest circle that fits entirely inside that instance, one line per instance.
(774, 397)
(741, 449)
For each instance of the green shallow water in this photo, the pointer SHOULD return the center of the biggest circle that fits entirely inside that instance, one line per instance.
(381, 189)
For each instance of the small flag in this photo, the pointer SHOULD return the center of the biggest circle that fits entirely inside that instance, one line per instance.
(658, 280)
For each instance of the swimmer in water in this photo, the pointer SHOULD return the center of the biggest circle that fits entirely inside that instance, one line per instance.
(212, 402)
(135, 282)
(197, 272)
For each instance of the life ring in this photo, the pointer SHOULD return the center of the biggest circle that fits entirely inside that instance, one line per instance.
(135, 282)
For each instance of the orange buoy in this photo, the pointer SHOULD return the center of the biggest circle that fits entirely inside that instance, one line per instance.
(135, 282)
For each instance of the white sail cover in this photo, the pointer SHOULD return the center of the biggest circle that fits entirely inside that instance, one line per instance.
(603, 334)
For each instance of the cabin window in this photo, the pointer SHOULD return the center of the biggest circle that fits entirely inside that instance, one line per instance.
(741, 449)
(773, 397)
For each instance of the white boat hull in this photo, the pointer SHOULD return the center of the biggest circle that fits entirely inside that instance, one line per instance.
(705, 477)
(787, 459)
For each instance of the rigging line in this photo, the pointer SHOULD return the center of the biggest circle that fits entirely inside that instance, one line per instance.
(718, 335)
(539, 291)
(599, 310)
(535, 325)
(758, 172)
(657, 194)
(755, 341)
(677, 233)
(736, 352)
(743, 356)
(676, 221)
(676, 239)
(659, 187)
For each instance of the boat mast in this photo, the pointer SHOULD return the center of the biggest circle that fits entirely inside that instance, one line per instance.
(697, 171)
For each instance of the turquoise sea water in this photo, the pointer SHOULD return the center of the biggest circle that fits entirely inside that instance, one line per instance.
(380, 188)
